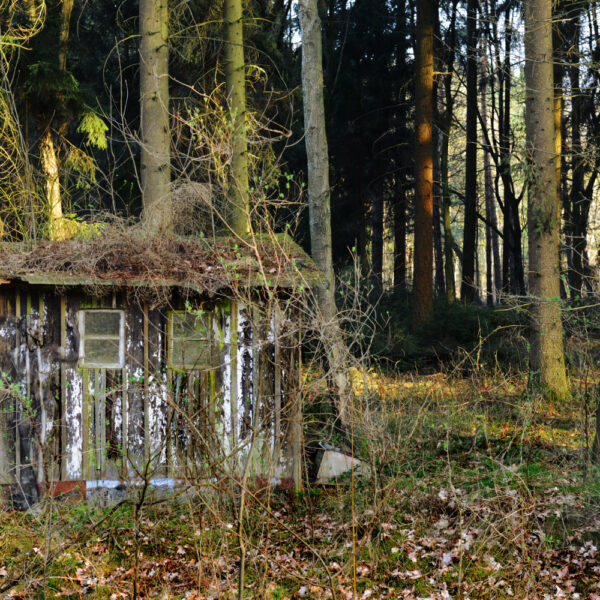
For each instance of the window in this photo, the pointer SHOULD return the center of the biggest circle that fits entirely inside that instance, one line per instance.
(102, 342)
(190, 340)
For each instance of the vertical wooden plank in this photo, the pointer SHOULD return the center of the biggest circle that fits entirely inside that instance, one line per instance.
(17, 405)
(297, 416)
(75, 393)
(147, 424)
(135, 372)
(171, 417)
(44, 454)
(85, 425)
(8, 418)
(277, 386)
(99, 407)
(63, 387)
(233, 385)
(125, 424)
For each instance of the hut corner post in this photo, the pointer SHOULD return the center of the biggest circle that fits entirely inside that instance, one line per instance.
(296, 422)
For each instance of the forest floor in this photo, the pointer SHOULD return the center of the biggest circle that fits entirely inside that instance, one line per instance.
(477, 489)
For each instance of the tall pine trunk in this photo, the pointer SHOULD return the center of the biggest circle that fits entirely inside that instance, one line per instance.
(468, 289)
(445, 127)
(423, 261)
(155, 152)
(546, 342)
(319, 201)
(238, 216)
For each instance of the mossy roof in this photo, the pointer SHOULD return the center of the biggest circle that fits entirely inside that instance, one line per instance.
(131, 259)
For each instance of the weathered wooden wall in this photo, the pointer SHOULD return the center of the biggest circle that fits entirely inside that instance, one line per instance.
(59, 421)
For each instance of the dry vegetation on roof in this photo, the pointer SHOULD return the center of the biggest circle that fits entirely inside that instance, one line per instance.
(128, 255)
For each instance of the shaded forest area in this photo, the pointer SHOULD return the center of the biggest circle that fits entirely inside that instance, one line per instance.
(438, 160)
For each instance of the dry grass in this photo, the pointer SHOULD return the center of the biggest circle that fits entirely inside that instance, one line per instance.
(478, 489)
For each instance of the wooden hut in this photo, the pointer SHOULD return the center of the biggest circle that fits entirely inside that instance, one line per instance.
(125, 358)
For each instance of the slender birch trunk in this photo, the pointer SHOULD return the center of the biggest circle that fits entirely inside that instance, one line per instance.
(319, 200)
(546, 343)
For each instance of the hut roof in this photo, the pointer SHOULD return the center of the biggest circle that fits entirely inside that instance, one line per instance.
(132, 259)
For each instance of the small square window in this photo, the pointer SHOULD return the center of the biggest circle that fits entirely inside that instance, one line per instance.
(190, 340)
(102, 343)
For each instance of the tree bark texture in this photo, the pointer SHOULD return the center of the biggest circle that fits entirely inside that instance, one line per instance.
(238, 216)
(155, 152)
(438, 252)
(492, 250)
(66, 10)
(468, 289)
(49, 164)
(377, 240)
(48, 153)
(546, 342)
(445, 128)
(423, 261)
(319, 201)
(513, 277)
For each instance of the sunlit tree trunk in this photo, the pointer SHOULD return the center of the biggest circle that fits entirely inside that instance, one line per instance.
(319, 200)
(235, 77)
(66, 10)
(48, 153)
(546, 354)
(468, 289)
(49, 164)
(155, 159)
(423, 261)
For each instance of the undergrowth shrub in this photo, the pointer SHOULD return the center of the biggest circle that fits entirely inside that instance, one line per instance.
(451, 330)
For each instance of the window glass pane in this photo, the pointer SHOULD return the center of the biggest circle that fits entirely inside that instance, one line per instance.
(190, 325)
(102, 323)
(191, 353)
(101, 352)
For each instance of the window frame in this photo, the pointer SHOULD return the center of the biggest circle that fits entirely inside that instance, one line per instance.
(83, 337)
(208, 338)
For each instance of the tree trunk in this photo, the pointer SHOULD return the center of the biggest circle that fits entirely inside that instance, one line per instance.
(423, 261)
(66, 10)
(155, 151)
(319, 201)
(49, 164)
(400, 237)
(490, 209)
(238, 216)
(377, 241)
(445, 127)
(468, 290)
(47, 148)
(581, 195)
(438, 252)
(546, 342)
(493, 265)
(400, 201)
